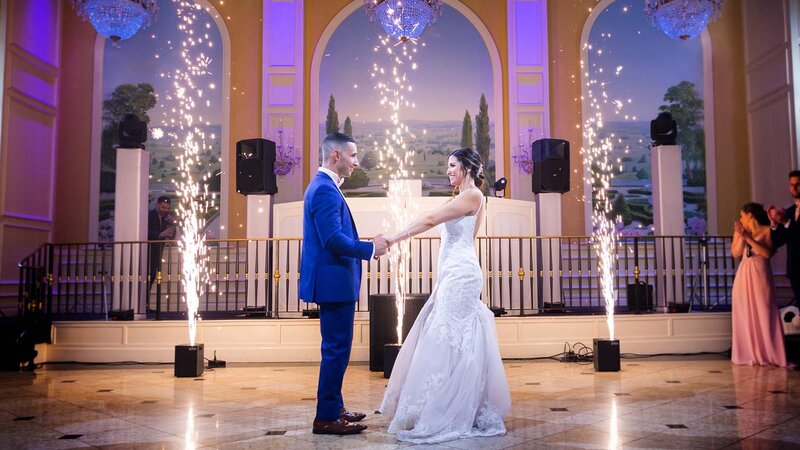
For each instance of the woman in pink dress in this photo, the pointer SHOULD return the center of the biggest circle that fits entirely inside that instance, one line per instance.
(757, 330)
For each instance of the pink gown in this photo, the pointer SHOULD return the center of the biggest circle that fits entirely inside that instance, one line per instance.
(757, 328)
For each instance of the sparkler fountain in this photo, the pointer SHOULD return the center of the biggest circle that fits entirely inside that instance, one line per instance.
(597, 158)
(194, 198)
(393, 85)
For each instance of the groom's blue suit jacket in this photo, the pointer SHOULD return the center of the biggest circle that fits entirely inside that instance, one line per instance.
(330, 267)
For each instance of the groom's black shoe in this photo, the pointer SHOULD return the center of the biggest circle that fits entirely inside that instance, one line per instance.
(352, 416)
(338, 426)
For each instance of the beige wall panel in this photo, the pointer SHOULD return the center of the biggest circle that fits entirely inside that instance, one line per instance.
(558, 329)
(30, 156)
(730, 115)
(771, 132)
(763, 31)
(772, 75)
(18, 242)
(507, 332)
(32, 80)
(261, 333)
(89, 335)
(35, 27)
(639, 328)
(149, 334)
(300, 334)
(717, 325)
(545, 336)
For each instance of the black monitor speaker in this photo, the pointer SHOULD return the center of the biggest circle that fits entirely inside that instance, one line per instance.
(255, 167)
(550, 166)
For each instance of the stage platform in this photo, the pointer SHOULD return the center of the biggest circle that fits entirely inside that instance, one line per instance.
(298, 340)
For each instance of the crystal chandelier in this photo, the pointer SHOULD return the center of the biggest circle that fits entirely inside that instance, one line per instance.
(682, 19)
(117, 19)
(404, 19)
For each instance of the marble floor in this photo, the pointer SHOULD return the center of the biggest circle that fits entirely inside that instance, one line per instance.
(680, 403)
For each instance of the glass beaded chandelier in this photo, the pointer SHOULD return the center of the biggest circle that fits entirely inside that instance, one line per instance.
(117, 19)
(404, 19)
(682, 19)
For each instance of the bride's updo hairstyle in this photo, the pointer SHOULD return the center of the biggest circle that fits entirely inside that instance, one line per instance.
(470, 164)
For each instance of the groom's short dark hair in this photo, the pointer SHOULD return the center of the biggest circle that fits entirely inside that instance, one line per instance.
(794, 174)
(333, 141)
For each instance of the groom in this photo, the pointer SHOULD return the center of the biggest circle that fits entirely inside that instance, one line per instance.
(330, 276)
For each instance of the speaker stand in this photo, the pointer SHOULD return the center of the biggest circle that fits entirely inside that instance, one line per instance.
(548, 219)
(259, 226)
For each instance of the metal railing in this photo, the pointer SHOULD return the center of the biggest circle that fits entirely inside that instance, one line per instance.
(259, 277)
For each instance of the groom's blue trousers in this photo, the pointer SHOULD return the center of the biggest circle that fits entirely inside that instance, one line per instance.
(336, 326)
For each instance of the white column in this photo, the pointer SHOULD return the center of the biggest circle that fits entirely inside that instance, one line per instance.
(282, 86)
(548, 215)
(130, 224)
(259, 226)
(668, 221)
(528, 85)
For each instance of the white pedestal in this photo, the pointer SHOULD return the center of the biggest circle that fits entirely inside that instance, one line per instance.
(668, 220)
(548, 215)
(259, 226)
(130, 224)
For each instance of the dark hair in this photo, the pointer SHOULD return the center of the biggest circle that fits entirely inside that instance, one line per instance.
(335, 141)
(758, 212)
(471, 163)
(794, 174)
(163, 199)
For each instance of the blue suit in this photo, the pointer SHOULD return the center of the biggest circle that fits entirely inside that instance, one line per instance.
(330, 276)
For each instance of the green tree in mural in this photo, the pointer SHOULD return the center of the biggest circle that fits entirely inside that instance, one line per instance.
(348, 126)
(482, 139)
(368, 161)
(620, 208)
(332, 120)
(129, 99)
(125, 99)
(686, 107)
(466, 131)
(357, 179)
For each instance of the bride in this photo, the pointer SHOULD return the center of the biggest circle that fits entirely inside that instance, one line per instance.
(448, 381)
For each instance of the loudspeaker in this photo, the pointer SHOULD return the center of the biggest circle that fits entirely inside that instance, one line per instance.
(550, 166)
(640, 297)
(255, 167)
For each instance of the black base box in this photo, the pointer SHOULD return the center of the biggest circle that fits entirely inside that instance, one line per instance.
(678, 307)
(390, 352)
(189, 360)
(121, 314)
(606, 355)
(383, 323)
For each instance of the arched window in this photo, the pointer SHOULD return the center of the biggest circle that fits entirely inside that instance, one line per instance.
(135, 79)
(455, 76)
(636, 64)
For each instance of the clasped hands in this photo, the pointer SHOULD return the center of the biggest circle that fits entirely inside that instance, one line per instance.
(739, 229)
(382, 245)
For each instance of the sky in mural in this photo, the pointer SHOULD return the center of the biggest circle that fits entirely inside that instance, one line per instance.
(454, 70)
(154, 51)
(651, 62)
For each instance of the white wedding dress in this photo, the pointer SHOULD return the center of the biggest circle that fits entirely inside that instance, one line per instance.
(448, 381)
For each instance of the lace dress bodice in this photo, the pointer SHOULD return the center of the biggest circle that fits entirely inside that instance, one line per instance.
(458, 292)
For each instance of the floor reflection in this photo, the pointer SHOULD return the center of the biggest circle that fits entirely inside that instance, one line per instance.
(650, 403)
